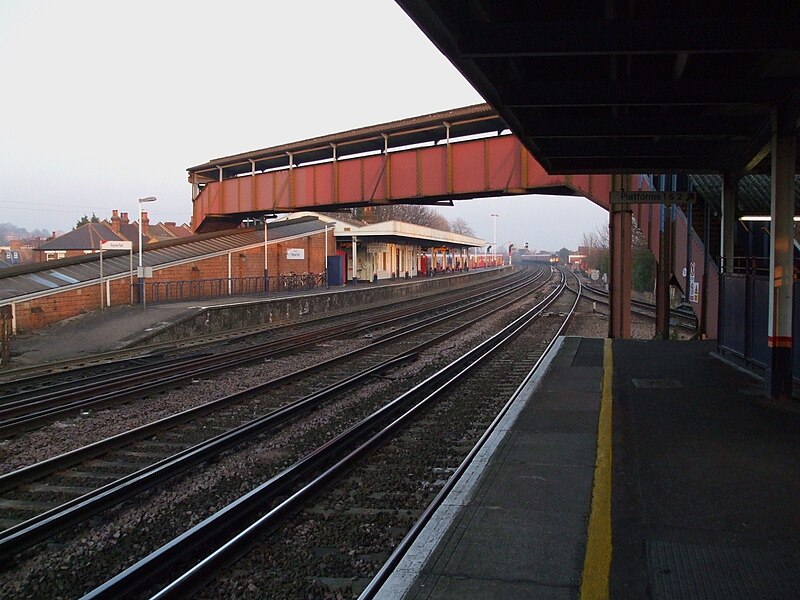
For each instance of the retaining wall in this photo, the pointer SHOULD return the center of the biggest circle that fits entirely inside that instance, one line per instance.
(215, 319)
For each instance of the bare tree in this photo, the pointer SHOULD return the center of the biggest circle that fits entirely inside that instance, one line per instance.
(460, 226)
(597, 239)
(595, 245)
(638, 239)
(417, 214)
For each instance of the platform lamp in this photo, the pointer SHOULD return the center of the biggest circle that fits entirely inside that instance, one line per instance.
(494, 245)
(140, 272)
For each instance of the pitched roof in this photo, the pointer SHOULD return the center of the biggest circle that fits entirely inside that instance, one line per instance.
(130, 232)
(159, 232)
(85, 237)
(178, 231)
(45, 277)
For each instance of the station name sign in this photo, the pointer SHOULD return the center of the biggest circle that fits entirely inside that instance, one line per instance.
(116, 245)
(652, 197)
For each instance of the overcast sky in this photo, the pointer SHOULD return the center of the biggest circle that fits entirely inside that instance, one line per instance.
(103, 102)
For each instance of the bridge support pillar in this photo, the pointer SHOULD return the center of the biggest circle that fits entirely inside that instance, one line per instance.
(619, 225)
(781, 258)
(664, 272)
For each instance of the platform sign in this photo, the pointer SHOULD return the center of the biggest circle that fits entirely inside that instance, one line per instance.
(652, 197)
(295, 253)
(694, 295)
(116, 245)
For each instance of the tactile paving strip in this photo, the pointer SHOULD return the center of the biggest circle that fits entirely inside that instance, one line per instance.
(689, 571)
(657, 383)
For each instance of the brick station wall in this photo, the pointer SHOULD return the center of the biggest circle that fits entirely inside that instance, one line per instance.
(245, 262)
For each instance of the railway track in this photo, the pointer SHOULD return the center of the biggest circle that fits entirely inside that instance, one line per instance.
(47, 376)
(25, 409)
(412, 443)
(685, 319)
(34, 497)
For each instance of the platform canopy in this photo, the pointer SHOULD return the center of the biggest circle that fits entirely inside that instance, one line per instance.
(393, 232)
(638, 87)
(399, 232)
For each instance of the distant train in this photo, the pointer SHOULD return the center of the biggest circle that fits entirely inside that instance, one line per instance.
(540, 257)
(444, 261)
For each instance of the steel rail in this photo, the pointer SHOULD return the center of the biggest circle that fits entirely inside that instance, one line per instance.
(47, 524)
(199, 341)
(17, 376)
(405, 544)
(344, 449)
(55, 520)
(686, 320)
(16, 418)
(68, 459)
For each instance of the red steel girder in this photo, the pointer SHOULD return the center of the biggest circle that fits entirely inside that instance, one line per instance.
(491, 166)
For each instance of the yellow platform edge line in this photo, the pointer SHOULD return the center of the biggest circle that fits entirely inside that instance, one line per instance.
(597, 562)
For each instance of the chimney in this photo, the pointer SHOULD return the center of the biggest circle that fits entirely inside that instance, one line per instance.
(124, 218)
(145, 224)
(115, 221)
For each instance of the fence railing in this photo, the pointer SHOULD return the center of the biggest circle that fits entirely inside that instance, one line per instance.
(744, 318)
(744, 265)
(161, 292)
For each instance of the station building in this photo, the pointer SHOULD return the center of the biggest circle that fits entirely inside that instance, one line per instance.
(394, 249)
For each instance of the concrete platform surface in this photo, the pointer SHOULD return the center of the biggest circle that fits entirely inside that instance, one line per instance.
(101, 331)
(705, 487)
(706, 478)
(517, 527)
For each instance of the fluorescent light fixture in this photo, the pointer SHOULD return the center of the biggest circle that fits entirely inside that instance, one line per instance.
(761, 218)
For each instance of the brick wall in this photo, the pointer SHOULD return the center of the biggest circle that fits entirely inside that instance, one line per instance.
(34, 314)
(313, 249)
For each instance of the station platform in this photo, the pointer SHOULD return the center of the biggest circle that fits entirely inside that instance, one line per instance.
(125, 326)
(701, 499)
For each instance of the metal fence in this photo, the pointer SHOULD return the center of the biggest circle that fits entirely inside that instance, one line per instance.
(162, 292)
(744, 317)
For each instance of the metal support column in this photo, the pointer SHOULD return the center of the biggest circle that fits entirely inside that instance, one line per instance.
(619, 225)
(781, 259)
(730, 189)
(266, 257)
(355, 261)
(664, 273)
(687, 281)
(6, 329)
(704, 291)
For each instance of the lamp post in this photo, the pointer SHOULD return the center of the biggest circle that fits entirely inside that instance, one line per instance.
(141, 268)
(494, 245)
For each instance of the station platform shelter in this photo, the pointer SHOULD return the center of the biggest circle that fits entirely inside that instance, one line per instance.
(396, 250)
